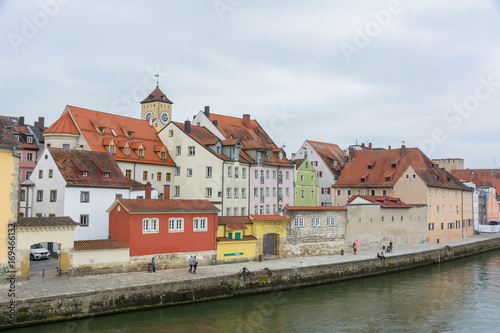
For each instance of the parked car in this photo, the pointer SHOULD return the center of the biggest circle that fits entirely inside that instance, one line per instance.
(494, 223)
(37, 251)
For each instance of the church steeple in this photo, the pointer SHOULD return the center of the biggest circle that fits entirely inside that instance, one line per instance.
(157, 107)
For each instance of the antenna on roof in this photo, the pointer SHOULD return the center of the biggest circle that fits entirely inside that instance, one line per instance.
(283, 146)
(157, 78)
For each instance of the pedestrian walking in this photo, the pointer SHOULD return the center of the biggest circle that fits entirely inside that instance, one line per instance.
(190, 265)
(355, 248)
(390, 246)
(195, 264)
(153, 263)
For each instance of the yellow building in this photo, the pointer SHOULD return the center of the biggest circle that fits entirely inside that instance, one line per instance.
(249, 237)
(9, 189)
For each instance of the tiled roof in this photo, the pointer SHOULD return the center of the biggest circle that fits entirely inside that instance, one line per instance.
(22, 132)
(384, 201)
(480, 177)
(135, 185)
(157, 96)
(298, 162)
(269, 217)
(244, 238)
(51, 221)
(315, 208)
(7, 138)
(331, 154)
(167, 205)
(72, 162)
(252, 137)
(63, 125)
(234, 222)
(141, 131)
(100, 244)
(389, 167)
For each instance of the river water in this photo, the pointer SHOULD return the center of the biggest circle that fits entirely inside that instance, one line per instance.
(456, 296)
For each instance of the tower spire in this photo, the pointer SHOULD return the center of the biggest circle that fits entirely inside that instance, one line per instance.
(157, 78)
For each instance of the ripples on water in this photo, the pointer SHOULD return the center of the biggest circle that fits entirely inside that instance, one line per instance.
(457, 296)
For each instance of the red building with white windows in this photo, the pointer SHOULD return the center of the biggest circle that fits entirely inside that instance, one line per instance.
(161, 226)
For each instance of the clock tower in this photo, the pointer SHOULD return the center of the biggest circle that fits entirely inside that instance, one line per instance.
(157, 108)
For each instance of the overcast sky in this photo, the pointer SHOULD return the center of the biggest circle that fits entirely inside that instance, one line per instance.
(423, 72)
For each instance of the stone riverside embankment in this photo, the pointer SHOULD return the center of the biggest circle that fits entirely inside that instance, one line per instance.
(306, 272)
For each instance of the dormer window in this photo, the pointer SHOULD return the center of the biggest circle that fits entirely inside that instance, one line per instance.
(29, 139)
(394, 165)
(85, 174)
(17, 137)
(127, 151)
(269, 154)
(112, 149)
(387, 179)
(259, 158)
(140, 152)
(105, 175)
(101, 132)
(112, 131)
(163, 155)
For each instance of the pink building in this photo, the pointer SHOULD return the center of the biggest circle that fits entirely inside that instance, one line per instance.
(271, 189)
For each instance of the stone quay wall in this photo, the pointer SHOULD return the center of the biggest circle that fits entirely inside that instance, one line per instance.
(89, 304)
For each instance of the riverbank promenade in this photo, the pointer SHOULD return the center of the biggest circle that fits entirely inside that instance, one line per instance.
(53, 286)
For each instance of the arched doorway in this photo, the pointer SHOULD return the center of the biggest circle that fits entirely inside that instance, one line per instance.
(269, 246)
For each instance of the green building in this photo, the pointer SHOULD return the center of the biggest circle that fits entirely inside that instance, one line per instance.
(306, 183)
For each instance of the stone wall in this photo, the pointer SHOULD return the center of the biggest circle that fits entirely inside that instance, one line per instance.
(315, 240)
(64, 307)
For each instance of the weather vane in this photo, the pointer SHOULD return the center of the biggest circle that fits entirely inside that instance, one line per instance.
(157, 78)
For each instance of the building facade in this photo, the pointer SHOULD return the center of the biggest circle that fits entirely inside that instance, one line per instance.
(306, 183)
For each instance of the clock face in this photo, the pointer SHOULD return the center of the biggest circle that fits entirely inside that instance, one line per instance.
(164, 118)
(148, 115)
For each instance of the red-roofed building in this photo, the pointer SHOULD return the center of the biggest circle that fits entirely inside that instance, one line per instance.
(374, 221)
(314, 231)
(156, 227)
(271, 173)
(134, 143)
(80, 184)
(328, 160)
(408, 174)
(480, 177)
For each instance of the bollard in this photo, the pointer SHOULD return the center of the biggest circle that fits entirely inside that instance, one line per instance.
(342, 252)
(43, 273)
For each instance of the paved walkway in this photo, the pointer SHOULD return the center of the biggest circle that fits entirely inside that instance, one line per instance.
(67, 285)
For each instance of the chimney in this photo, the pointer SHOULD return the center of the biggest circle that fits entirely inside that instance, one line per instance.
(389, 148)
(147, 188)
(187, 126)
(443, 174)
(346, 159)
(40, 122)
(166, 192)
(207, 111)
(369, 146)
(351, 153)
(403, 150)
(246, 120)
(293, 156)
(21, 121)
(215, 123)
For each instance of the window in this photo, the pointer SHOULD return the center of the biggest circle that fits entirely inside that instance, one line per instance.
(267, 209)
(199, 224)
(118, 196)
(228, 211)
(287, 191)
(177, 171)
(444, 193)
(407, 176)
(243, 173)
(191, 151)
(274, 174)
(442, 226)
(243, 211)
(178, 150)
(358, 192)
(287, 175)
(209, 172)
(430, 208)
(40, 174)
(451, 208)
(255, 209)
(208, 192)
(256, 174)
(320, 174)
(65, 146)
(299, 222)
(315, 221)
(437, 192)
(236, 194)
(84, 220)
(267, 174)
(348, 193)
(177, 191)
(384, 192)
(28, 174)
(330, 221)
(29, 157)
(236, 172)
(171, 133)
(128, 173)
(144, 175)
(312, 194)
(85, 174)
(243, 192)
(112, 149)
(457, 208)
(158, 176)
(267, 192)
(443, 209)
(29, 139)
(149, 225)
(53, 195)
(302, 193)
(176, 225)
(255, 192)
(163, 155)
(230, 235)
(449, 192)
(312, 178)
(113, 131)
(301, 178)
(414, 176)
(190, 172)
(339, 192)
(229, 172)
(22, 195)
(274, 191)
(372, 192)
(274, 209)
(168, 175)
(430, 192)
(457, 224)
(140, 152)
(431, 226)
(437, 209)
(84, 196)
(235, 211)
(228, 192)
